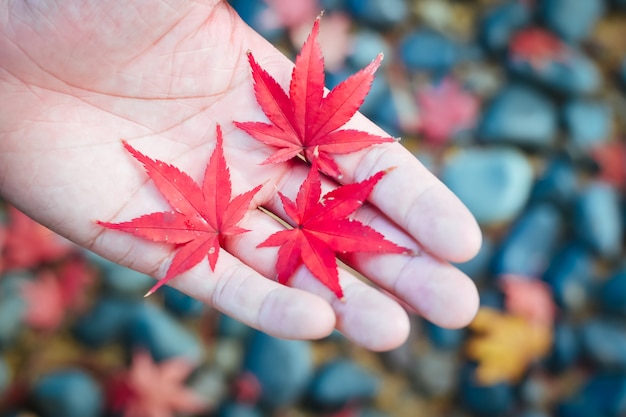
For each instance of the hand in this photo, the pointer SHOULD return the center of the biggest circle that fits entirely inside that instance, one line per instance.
(76, 77)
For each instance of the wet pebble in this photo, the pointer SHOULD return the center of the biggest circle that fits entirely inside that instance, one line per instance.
(378, 13)
(342, 382)
(119, 280)
(427, 50)
(588, 122)
(152, 328)
(443, 339)
(604, 343)
(612, 294)
(573, 20)
(68, 393)
(500, 22)
(598, 219)
(435, 373)
(106, 322)
(569, 276)
(531, 243)
(5, 376)
(485, 400)
(233, 409)
(228, 327)
(603, 395)
(566, 349)
(571, 75)
(181, 304)
(366, 45)
(260, 16)
(494, 183)
(519, 115)
(282, 367)
(12, 306)
(478, 267)
(558, 183)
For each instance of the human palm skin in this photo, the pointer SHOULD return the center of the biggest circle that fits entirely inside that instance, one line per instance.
(76, 77)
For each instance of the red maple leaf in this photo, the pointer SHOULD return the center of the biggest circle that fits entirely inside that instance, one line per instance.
(148, 389)
(305, 119)
(446, 109)
(537, 46)
(28, 244)
(202, 216)
(322, 229)
(44, 302)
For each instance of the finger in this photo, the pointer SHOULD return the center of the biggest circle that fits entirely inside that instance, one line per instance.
(434, 288)
(233, 288)
(410, 195)
(364, 315)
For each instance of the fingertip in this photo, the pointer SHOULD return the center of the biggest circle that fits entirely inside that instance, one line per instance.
(451, 301)
(295, 314)
(371, 319)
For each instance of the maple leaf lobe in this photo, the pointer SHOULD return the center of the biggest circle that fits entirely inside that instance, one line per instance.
(201, 217)
(303, 118)
(322, 229)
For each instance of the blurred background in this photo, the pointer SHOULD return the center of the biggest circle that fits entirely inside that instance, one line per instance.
(519, 106)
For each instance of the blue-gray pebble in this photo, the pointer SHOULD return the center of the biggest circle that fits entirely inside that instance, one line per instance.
(573, 20)
(152, 328)
(531, 243)
(520, 115)
(430, 51)
(107, 321)
(500, 22)
(494, 183)
(68, 393)
(598, 219)
(340, 382)
(604, 342)
(282, 367)
(569, 275)
(588, 122)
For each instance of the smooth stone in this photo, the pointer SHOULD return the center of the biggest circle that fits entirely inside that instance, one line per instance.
(371, 412)
(233, 409)
(378, 13)
(228, 355)
(180, 304)
(573, 20)
(519, 115)
(534, 413)
(260, 17)
(435, 373)
(558, 183)
(119, 280)
(485, 400)
(153, 329)
(492, 298)
(478, 267)
(612, 293)
(427, 50)
(12, 306)
(602, 396)
(598, 219)
(68, 393)
(282, 367)
(535, 391)
(604, 342)
(399, 359)
(210, 384)
(589, 123)
(531, 243)
(5, 376)
(569, 275)
(500, 22)
(622, 71)
(366, 45)
(575, 74)
(443, 339)
(229, 327)
(341, 382)
(565, 350)
(106, 323)
(493, 183)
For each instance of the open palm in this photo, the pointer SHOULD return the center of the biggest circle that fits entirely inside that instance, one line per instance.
(78, 76)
